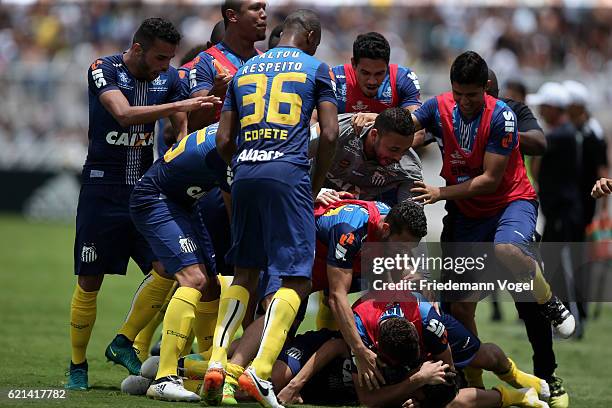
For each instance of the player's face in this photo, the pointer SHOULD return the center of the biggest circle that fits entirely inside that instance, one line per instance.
(390, 146)
(156, 59)
(253, 19)
(469, 98)
(370, 75)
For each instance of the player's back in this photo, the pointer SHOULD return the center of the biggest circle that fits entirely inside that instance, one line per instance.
(189, 169)
(347, 217)
(274, 95)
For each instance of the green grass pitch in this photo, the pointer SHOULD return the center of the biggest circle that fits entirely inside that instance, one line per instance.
(37, 283)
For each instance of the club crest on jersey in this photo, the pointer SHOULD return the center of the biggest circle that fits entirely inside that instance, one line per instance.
(88, 253)
(187, 245)
(378, 179)
(360, 106)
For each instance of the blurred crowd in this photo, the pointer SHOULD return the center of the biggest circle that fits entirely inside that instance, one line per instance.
(46, 47)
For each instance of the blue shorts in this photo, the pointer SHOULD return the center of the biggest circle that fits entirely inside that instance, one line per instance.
(297, 351)
(177, 235)
(514, 225)
(273, 224)
(212, 210)
(106, 237)
(464, 345)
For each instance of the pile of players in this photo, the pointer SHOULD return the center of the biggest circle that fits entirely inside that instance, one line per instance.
(249, 188)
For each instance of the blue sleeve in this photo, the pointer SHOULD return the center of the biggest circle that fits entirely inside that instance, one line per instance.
(325, 86)
(503, 135)
(229, 104)
(175, 90)
(202, 75)
(426, 114)
(363, 333)
(408, 88)
(184, 82)
(102, 76)
(343, 245)
(435, 337)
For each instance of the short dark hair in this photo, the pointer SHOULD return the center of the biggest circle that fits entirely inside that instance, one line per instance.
(229, 4)
(192, 53)
(156, 28)
(440, 395)
(371, 45)
(302, 20)
(397, 120)
(275, 36)
(407, 215)
(217, 33)
(399, 340)
(517, 86)
(469, 69)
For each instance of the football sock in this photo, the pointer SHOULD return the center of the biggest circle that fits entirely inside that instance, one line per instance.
(142, 342)
(325, 317)
(541, 288)
(519, 379)
(232, 308)
(147, 301)
(82, 319)
(192, 368)
(473, 377)
(278, 321)
(510, 396)
(233, 371)
(176, 329)
(205, 323)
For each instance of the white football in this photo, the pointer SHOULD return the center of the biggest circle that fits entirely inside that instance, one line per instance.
(149, 367)
(135, 385)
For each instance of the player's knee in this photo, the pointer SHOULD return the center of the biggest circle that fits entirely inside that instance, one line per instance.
(159, 269)
(90, 283)
(301, 285)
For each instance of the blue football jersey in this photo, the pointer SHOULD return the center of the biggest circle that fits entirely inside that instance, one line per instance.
(274, 95)
(189, 169)
(116, 154)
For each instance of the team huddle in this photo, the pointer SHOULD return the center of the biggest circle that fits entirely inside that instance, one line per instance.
(276, 169)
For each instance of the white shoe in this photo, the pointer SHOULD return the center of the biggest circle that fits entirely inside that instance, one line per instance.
(559, 317)
(171, 388)
(135, 385)
(531, 399)
(261, 390)
(149, 368)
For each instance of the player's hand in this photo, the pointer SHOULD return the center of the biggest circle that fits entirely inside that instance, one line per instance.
(602, 187)
(428, 194)
(411, 403)
(198, 102)
(361, 120)
(328, 196)
(289, 395)
(222, 78)
(433, 373)
(367, 372)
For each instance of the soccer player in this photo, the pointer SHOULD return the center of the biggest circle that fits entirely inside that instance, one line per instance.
(163, 209)
(376, 164)
(274, 37)
(127, 93)
(406, 331)
(245, 24)
(486, 179)
(264, 131)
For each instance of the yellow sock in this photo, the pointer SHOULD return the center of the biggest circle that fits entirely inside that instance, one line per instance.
(520, 379)
(232, 308)
(176, 329)
(142, 342)
(473, 377)
(325, 317)
(512, 397)
(233, 371)
(541, 288)
(188, 343)
(194, 368)
(147, 301)
(205, 323)
(82, 319)
(278, 321)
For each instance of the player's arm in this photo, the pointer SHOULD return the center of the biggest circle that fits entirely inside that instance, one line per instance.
(331, 349)
(494, 167)
(179, 124)
(206, 79)
(327, 111)
(409, 90)
(228, 128)
(532, 139)
(394, 395)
